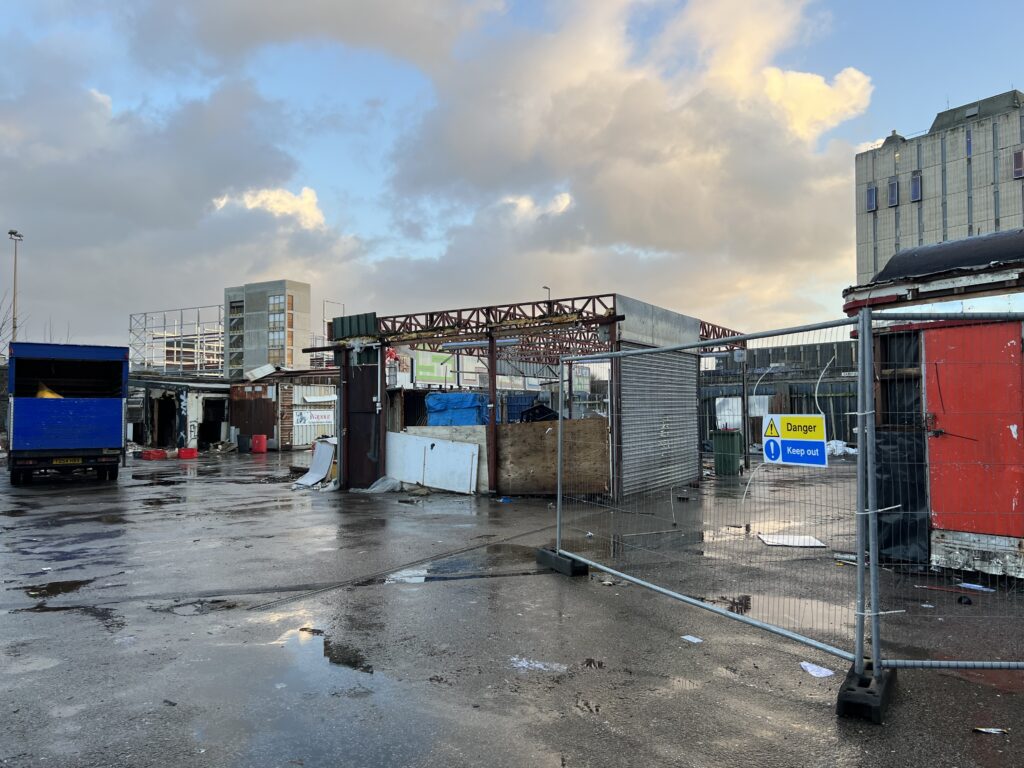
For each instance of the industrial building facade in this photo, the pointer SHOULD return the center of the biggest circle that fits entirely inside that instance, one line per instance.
(266, 323)
(964, 177)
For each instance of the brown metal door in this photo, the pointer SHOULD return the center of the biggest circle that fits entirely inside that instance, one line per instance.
(363, 441)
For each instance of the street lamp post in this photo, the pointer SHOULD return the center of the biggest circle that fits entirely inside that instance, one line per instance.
(17, 237)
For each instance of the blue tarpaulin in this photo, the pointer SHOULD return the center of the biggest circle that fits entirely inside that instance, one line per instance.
(456, 409)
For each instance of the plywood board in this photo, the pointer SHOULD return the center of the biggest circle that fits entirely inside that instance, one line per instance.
(528, 457)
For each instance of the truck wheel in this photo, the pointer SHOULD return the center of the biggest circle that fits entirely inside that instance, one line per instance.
(16, 478)
(112, 474)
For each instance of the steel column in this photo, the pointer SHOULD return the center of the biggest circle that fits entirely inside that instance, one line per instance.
(492, 420)
(863, 337)
(558, 498)
(868, 364)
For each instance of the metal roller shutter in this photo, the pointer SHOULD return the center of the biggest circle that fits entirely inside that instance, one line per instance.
(660, 446)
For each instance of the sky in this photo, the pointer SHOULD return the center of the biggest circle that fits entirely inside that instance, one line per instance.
(429, 154)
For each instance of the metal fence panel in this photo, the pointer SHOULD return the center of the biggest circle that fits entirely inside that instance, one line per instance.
(773, 547)
(949, 470)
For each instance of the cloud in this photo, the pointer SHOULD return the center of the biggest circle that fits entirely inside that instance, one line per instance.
(688, 167)
(812, 105)
(694, 171)
(303, 208)
(211, 34)
(116, 202)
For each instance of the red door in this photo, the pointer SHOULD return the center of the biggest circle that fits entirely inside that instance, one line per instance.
(973, 386)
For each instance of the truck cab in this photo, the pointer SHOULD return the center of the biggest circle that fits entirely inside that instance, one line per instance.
(67, 409)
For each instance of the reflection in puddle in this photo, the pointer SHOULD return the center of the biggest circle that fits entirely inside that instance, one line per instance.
(346, 655)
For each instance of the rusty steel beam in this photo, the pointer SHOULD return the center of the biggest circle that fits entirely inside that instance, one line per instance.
(484, 319)
(710, 332)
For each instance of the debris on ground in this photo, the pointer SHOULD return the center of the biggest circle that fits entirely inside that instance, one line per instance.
(815, 671)
(975, 587)
(419, 490)
(934, 588)
(593, 663)
(530, 665)
(788, 540)
(311, 630)
(692, 639)
(964, 600)
(225, 446)
(839, 448)
(990, 730)
(383, 485)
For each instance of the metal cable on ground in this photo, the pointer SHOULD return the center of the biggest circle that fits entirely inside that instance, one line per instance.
(400, 567)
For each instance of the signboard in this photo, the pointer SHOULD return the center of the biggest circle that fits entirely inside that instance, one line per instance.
(320, 416)
(794, 439)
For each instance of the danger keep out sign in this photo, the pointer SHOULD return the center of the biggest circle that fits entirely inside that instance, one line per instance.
(794, 439)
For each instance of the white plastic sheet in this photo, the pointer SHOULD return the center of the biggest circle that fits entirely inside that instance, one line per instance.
(320, 467)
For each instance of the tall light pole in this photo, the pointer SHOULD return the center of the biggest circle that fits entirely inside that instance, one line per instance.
(17, 237)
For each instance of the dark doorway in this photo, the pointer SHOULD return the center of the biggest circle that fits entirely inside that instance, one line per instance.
(165, 421)
(215, 413)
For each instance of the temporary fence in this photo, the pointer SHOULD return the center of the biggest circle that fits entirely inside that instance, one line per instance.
(831, 526)
(949, 489)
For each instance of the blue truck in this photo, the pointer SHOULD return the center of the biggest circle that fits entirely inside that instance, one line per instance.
(67, 409)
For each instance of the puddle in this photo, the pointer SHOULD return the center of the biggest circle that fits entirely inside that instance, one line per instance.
(106, 616)
(346, 655)
(54, 588)
(14, 512)
(196, 607)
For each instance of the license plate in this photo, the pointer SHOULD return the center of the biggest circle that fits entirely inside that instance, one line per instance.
(67, 461)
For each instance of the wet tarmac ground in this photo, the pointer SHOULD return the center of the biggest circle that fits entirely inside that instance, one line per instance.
(204, 614)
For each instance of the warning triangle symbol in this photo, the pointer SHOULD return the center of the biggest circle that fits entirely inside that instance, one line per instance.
(771, 430)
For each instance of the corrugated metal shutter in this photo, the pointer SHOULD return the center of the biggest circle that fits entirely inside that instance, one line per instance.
(304, 433)
(659, 433)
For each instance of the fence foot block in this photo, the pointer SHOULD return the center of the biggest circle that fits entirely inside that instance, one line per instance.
(864, 696)
(549, 558)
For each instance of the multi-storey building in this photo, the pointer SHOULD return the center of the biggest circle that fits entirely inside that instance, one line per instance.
(266, 323)
(962, 178)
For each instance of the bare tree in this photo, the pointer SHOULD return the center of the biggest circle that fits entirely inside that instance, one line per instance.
(5, 325)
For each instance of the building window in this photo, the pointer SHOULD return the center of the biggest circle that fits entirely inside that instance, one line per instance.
(291, 302)
(275, 356)
(872, 199)
(276, 303)
(236, 308)
(275, 321)
(894, 192)
(275, 340)
(969, 137)
(291, 338)
(1018, 164)
(915, 187)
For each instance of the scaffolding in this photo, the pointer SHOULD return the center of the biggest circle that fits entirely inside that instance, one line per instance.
(189, 340)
